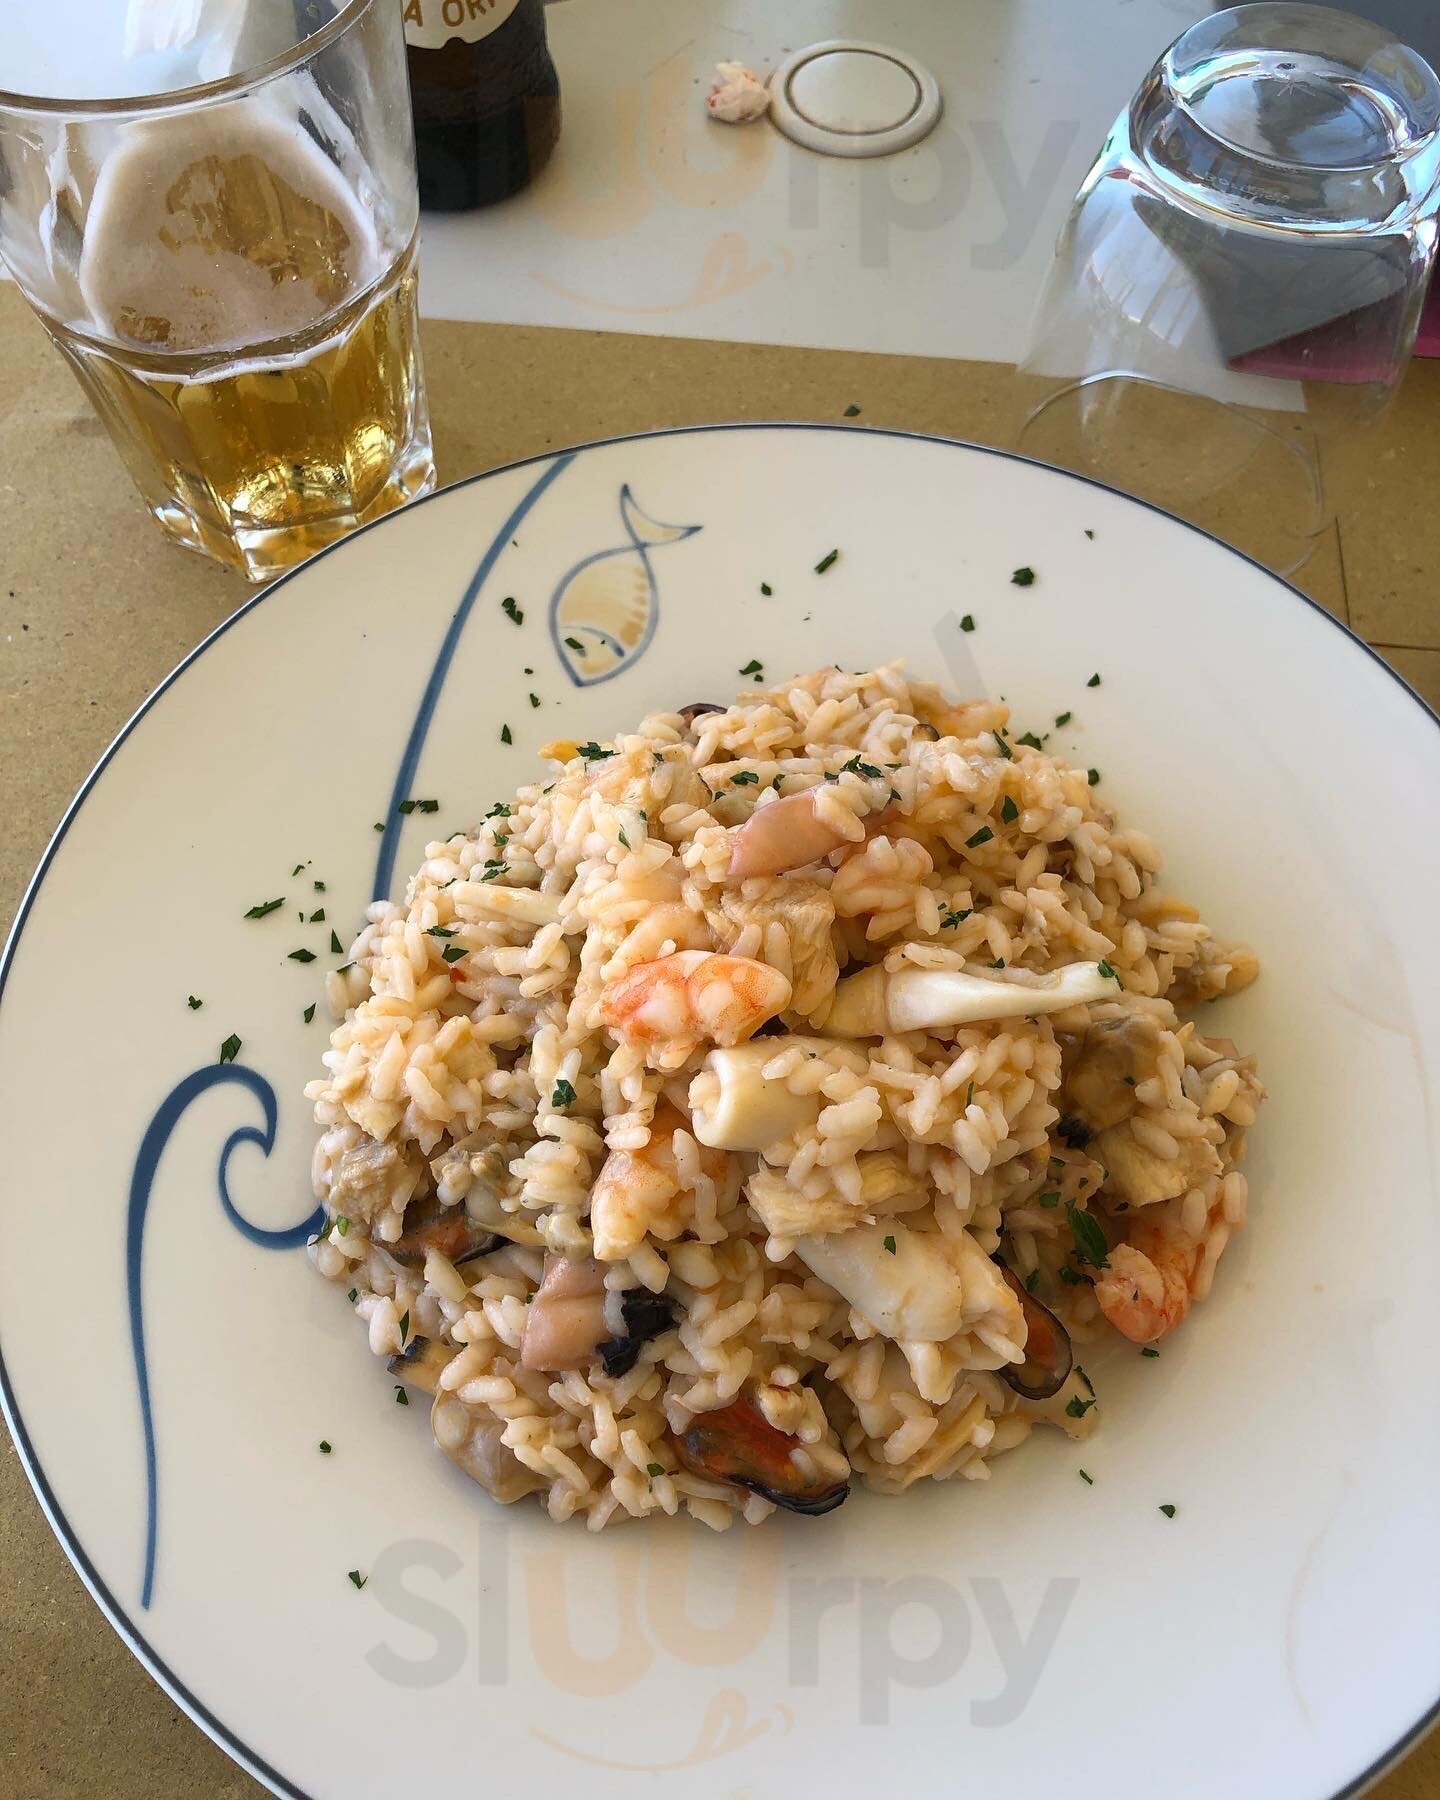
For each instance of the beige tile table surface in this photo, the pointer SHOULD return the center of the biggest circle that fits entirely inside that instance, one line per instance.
(95, 608)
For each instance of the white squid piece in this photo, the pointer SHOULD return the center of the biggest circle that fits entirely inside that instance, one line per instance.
(879, 1001)
(926, 1290)
(733, 1106)
(527, 906)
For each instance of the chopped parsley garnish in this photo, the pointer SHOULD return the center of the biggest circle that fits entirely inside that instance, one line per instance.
(1090, 1385)
(623, 839)
(1023, 578)
(752, 667)
(401, 1397)
(1029, 737)
(1088, 532)
(230, 1049)
(1001, 746)
(420, 806)
(1148, 1350)
(378, 826)
(1072, 1277)
(318, 916)
(766, 589)
(356, 1579)
(511, 610)
(562, 1094)
(336, 947)
(505, 737)
(1087, 1478)
(440, 931)
(1093, 777)
(1050, 1199)
(527, 670)
(982, 836)
(1091, 1245)
(193, 1003)
(654, 1469)
(856, 767)
(1168, 1510)
(1077, 1408)
(353, 1295)
(968, 622)
(265, 906)
(574, 644)
(999, 963)
(1105, 969)
(949, 919)
(498, 811)
(299, 869)
(302, 956)
(1009, 811)
(453, 952)
(534, 699)
(593, 752)
(746, 778)
(827, 561)
(1063, 718)
(324, 1447)
(889, 1243)
(309, 1012)
(319, 887)
(969, 1094)
(404, 1325)
(494, 866)
(852, 411)
(1094, 681)
(894, 796)
(1032, 1281)
(342, 1224)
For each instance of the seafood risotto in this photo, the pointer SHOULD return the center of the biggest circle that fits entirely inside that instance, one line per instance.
(774, 1096)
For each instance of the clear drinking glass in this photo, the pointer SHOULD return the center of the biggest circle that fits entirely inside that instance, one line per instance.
(218, 230)
(1236, 292)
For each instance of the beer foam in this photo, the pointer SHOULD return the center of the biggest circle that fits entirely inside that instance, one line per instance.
(221, 230)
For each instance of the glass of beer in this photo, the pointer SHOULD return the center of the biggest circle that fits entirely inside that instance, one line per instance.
(218, 229)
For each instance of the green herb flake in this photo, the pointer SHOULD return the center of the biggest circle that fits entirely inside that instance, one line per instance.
(353, 1295)
(654, 1469)
(230, 1049)
(1063, 719)
(752, 667)
(1105, 970)
(404, 1326)
(309, 1012)
(1094, 681)
(342, 1224)
(574, 644)
(1023, 578)
(336, 947)
(440, 931)
(1093, 777)
(452, 953)
(324, 1447)
(623, 839)
(746, 778)
(827, 561)
(889, 1243)
(852, 411)
(562, 1094)
(299, 869)
(856, 767)
(378, 826)
(969, 1095)
(1148, 1350)
(1032, 1281)
(1087, 1478)
(1077, 1408)
(265, 907)
(301, 956)
(193, 1003)
(1168, 1510)
(968, 622)
(1009, 811)
(1029, 737)
(498, 811)
(511, 610)
(1050, 1199)
(1089, 533)
(949, 920)
(420, 806)
(401, 1397)
(1072, 1277)
(1001, 746)
(1091, 1245)
(1089, 1384)
(766, 589)
(319, 887)
(356, 1579)
(505, 737)
(318, 916)
(593, 752)
(982, 836)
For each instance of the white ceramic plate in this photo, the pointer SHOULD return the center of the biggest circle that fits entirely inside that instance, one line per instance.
(1280, 1636)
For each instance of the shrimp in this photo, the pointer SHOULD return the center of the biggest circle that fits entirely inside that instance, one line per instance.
(633, 1192)
(1151, 1279)
(692, 997)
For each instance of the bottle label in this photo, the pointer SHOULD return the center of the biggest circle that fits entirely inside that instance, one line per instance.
(429, 24)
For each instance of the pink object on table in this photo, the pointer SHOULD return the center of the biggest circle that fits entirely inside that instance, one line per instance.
(1428, 341)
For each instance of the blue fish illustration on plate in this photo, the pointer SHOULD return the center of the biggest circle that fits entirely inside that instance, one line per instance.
(603, 613)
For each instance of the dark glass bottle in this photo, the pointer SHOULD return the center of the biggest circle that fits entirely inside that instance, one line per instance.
(485, 95)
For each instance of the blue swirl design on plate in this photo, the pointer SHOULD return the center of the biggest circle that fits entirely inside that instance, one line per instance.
(604, 612)
(147, 1162)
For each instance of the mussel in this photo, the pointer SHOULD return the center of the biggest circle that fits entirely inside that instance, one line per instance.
(1048, 1356)
(646, 1315)
(419, 1365)
(693, 711)
(736, 1444)
(448, 1229)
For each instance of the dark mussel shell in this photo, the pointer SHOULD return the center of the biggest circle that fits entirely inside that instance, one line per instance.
(736, 1444)
(646, 1315)
(693, 711)
(448, 1229)
(1048, 1356)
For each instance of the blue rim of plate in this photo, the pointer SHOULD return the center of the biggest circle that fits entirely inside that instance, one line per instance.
(212, 1726)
